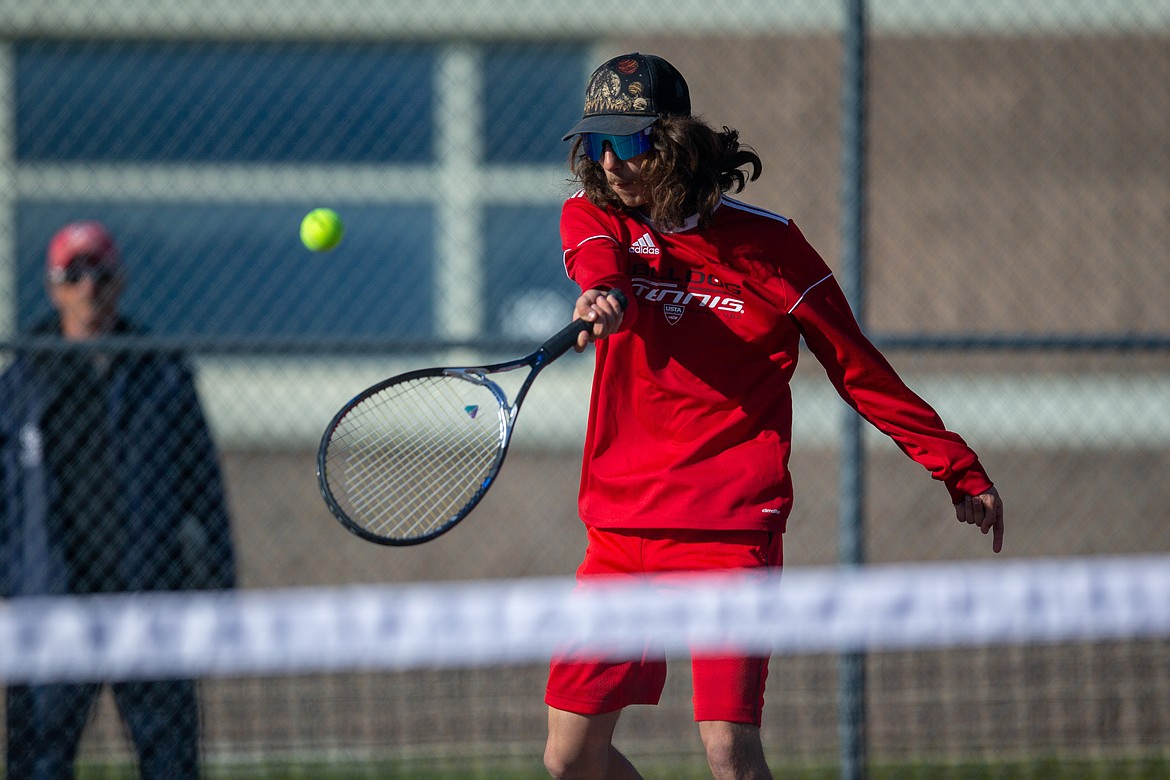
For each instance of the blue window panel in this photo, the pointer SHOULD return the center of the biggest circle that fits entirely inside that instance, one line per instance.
(532, 95)
(525, 273)
(223, 102)
(239, 270)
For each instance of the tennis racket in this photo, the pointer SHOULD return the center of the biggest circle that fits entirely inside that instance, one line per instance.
(405, 460)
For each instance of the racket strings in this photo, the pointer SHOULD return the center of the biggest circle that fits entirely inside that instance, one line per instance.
(407, 460)
(425, 476)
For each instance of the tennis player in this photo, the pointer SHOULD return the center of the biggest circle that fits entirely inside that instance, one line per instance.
(686, 453)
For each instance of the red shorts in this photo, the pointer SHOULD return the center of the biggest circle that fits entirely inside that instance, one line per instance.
(726, 688)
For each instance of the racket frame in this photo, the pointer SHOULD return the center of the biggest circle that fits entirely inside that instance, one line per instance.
(536, 361)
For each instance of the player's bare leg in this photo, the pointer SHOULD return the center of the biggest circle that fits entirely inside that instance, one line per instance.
(581, 746)
(734, 751)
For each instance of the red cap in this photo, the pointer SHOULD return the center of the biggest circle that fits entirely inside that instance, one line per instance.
(82, 239)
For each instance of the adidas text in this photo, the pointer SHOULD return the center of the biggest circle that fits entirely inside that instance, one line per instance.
(645, 246)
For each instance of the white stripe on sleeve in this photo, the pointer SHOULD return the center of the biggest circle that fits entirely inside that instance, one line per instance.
(806, 292)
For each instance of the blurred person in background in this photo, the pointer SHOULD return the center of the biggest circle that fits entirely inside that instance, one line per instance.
(689, 430)
(109, 482)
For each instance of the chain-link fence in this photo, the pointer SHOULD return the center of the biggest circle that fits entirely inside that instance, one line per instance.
(1018, 205)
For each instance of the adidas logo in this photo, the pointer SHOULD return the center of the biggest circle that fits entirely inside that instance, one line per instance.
(645, 246)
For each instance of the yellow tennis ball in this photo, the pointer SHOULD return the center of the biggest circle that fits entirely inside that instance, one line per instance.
(321, 230)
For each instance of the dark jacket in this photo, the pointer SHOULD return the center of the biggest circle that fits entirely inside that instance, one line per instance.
(109, 480)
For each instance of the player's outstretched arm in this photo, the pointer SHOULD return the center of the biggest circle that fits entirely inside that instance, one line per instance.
(986, 511)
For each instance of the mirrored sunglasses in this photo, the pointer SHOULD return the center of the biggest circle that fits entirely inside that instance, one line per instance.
(83, 268)
(624, 146)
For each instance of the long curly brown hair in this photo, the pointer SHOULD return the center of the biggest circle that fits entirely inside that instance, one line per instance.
(688, 169)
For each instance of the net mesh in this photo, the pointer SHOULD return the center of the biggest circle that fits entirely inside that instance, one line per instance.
(997, 665)
(1018, 181)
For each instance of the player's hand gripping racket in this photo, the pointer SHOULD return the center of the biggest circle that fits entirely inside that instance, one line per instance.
(410, 457)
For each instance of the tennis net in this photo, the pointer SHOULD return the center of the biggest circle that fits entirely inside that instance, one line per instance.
(1028, 660)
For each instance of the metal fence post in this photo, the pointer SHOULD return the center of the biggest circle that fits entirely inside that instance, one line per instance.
(851, 665)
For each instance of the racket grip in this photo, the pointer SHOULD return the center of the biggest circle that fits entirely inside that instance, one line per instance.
(559, 344)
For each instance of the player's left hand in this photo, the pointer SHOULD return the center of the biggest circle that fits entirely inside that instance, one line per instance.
(986, 511)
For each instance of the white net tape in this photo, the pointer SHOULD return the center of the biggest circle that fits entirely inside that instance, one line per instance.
(396, 627)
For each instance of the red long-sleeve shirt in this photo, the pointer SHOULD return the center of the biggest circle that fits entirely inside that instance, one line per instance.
(691, 416)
